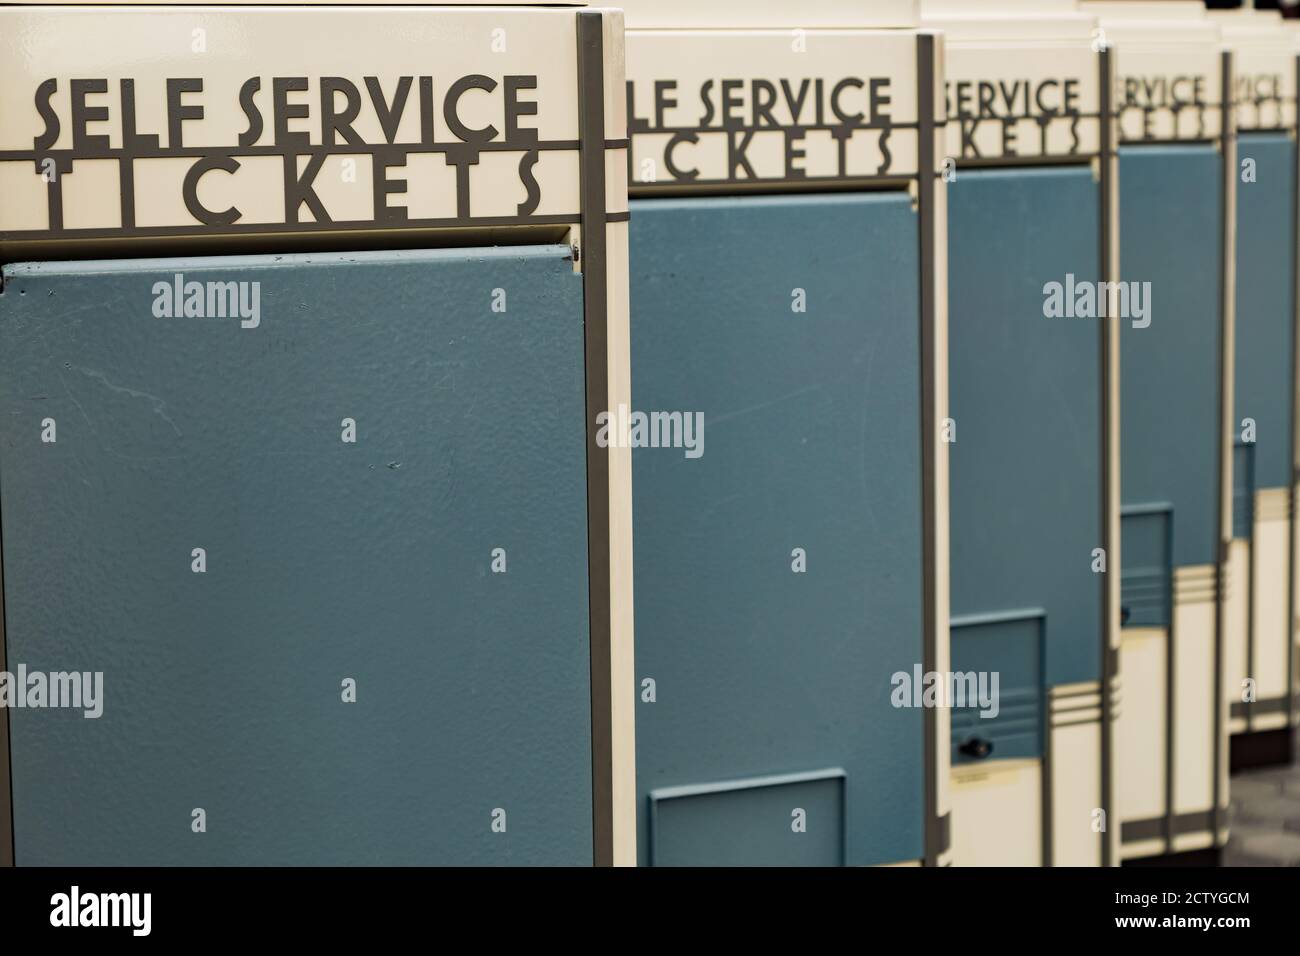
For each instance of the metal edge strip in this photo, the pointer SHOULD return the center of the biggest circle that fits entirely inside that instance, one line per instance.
(1109, 397)
(934, 845)
(591, 165)
(1295, 424)
(1227, 321)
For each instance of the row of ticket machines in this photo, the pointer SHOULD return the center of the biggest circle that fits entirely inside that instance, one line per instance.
(356, 500)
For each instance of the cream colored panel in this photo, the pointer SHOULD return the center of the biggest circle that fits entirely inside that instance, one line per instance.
(1193, 841)
(614, 39)
(1194, 741)
(622, 662)
(1076, 795)
(82, 187)
(430, 186)
(351, 3)
(1169, 68)
(1223, 750)
(997, 814)
(243, 67)
(619, 393)
(1272, 570)
(1140, 733)
(1264, 90)
(616, 181)
(1017, 9)
(1268, 721)
(806, 14)
(1236, 617)
(26, 196)
(498, 189)
(1194, 608)
(1137, 850)
(1117, 711)
(150, 45)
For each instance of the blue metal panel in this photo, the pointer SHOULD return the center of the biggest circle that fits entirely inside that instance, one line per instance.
(813, 442)
(325, 560)
(1025, 470)
(1265, 294)
(1170, 225)
(1011, 646)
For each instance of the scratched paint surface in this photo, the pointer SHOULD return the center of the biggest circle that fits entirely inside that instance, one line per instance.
(812, 441)
(325, 560)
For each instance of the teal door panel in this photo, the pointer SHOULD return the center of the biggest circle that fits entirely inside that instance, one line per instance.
(1025, 469)
(1146, 580)
(812, 423)
(324, 560)
(1006, 721)
(1171, 227)
(1265, 303)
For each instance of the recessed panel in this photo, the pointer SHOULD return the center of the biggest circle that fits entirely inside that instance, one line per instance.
(784, 821)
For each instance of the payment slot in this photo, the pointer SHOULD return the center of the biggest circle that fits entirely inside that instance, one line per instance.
(1177, 188)
(313, 551)
(1259, 652)
(788, 298)
(1033, 362)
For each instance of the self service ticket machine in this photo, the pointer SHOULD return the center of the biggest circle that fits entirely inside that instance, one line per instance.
(312, 554)
(1033, 375)
(1178, 180)
(788, 297)
(1259, 641)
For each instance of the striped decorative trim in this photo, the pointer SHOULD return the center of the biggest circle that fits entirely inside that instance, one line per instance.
(1194, 584)
(1272, 504)
(1074, 704)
